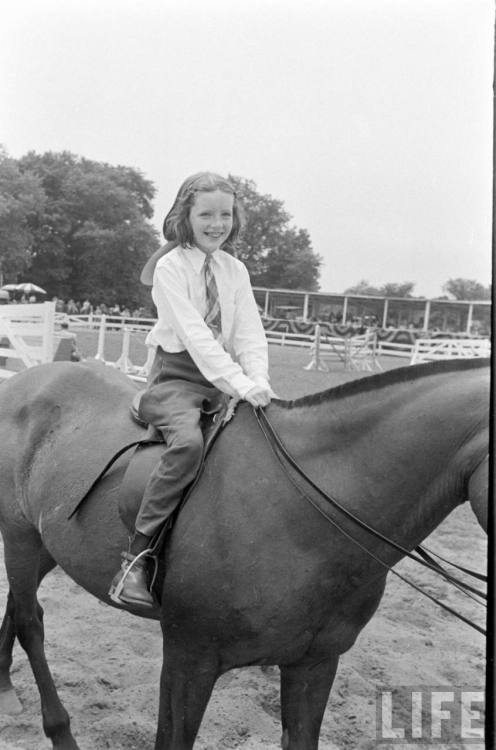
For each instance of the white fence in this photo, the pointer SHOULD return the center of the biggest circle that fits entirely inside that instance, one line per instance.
(286, 338)
(393, 349)
(334, 346)
(111, 322)
(26, 336)
(428, 350)
(355, 352)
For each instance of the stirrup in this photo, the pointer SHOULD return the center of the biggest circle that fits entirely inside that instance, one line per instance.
(115, 591)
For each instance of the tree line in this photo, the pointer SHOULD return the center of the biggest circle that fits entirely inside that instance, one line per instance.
(460, 289)
(82, 229)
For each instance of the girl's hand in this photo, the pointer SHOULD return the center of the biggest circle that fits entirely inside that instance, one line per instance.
(259, 396)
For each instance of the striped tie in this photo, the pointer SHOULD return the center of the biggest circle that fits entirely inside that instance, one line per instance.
(212, 317)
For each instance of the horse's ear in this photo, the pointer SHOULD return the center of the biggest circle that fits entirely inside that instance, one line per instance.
(478, 492)
(146, 276)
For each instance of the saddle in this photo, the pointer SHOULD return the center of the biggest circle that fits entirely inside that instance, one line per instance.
(146, 452)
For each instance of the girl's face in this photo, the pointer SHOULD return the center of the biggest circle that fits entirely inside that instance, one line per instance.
(211, 219)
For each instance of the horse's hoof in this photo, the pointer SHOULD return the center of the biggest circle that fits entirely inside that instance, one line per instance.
(9, 702)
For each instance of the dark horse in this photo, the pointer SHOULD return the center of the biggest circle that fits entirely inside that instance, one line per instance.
(255, 574)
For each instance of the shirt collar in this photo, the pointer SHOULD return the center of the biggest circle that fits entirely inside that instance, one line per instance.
(196, 257)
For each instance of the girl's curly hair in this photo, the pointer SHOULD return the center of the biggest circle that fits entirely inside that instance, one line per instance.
(177, 226)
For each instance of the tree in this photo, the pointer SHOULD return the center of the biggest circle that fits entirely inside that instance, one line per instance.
(275, 253)
(467, 289)
(390, 289)
(402, 289)
(363, 287)
(92, 235)
(21, 198)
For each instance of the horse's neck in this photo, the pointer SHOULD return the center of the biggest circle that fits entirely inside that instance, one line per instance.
(390, 456)
(406, 410)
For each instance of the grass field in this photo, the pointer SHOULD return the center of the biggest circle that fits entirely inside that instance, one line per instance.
(287, 363)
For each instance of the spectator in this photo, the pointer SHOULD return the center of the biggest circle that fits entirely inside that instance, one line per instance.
(64, 352)
(59, 304)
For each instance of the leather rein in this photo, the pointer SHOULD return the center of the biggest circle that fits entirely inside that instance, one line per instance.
(422, 557)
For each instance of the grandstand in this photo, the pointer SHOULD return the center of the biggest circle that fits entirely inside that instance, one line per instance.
(472, 318)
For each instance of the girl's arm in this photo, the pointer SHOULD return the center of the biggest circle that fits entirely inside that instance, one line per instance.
(249, 340)
(174, 307)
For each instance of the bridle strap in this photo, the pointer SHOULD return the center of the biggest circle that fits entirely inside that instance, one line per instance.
(284, 457)
(429, 555)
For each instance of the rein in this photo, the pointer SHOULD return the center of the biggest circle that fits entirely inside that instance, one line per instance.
(423, 558)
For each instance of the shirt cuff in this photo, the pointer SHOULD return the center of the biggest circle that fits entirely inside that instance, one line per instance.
(242, 384)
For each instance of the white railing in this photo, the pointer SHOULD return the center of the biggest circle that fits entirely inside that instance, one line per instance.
(361, 352)
(115, 322)
(392, 349)
(27, 333)
(357, 352)
(284, 338)
(26, 336)
(428, 350)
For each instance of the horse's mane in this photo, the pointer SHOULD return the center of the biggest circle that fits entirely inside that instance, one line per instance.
(383, 379)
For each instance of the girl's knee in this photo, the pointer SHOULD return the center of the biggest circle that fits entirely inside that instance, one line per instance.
(195, 447)
(188, 439)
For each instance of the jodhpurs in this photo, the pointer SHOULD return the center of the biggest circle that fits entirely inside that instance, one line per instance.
(173, 402)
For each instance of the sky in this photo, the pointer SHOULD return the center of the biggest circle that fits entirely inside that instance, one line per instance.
(370, 119)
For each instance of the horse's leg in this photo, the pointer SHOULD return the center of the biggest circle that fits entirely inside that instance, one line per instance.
(23, 554)
(305, 689)
(9, 702)
(186, 683)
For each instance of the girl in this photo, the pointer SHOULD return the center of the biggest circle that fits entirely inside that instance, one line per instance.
(209, 341)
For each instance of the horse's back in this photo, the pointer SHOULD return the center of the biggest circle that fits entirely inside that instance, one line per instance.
(64, 383)
(58, 424)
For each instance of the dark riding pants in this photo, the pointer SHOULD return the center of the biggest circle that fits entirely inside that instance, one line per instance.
(173, 402)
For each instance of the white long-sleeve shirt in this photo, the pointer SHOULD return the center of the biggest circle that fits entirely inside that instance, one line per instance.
(237, 361)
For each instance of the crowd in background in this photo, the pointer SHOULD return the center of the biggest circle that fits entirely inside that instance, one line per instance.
(76, 307)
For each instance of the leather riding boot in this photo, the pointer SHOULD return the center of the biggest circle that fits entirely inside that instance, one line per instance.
(129, 586)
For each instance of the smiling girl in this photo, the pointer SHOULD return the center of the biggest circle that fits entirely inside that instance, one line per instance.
(209, 341)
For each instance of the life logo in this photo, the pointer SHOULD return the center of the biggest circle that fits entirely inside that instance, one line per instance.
(443, 715)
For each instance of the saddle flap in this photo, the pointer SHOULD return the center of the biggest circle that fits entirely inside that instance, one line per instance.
(143, 461)
(148, 453)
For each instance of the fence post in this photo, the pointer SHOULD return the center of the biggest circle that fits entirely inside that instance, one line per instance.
(48, 331)
(144, 371)
(101, 340)
(124, 364)
(316, 362)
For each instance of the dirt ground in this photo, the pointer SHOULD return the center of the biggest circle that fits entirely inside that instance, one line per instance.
(106, 663)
